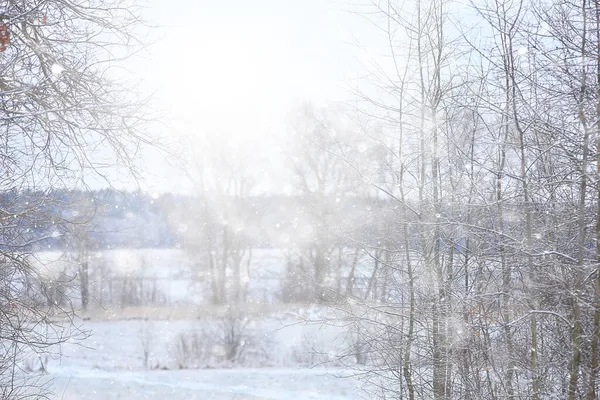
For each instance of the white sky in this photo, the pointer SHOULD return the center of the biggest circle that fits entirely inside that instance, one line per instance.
(237, 68)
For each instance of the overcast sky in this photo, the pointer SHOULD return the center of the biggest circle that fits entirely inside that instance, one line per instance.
(236, 68)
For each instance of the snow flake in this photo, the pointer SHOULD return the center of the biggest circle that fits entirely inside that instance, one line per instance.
(57, 69)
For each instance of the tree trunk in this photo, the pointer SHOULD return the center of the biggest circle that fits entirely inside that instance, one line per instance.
(596, 304)
(84, 279)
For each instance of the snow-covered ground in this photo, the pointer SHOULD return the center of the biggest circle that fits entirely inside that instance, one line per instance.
(279, 348)
(209, 384)
(109, 364)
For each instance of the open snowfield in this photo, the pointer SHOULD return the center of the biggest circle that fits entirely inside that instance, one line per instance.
(280, 348)
(213, 384)
(110, 364)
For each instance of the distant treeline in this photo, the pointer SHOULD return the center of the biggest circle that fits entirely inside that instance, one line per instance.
(135, 219)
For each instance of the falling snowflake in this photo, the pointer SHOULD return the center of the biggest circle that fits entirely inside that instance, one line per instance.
(57, 69)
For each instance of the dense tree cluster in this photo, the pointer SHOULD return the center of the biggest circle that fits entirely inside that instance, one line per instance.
(482, 125)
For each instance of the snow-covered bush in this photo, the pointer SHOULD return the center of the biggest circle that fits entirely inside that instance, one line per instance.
(224, 341)
(146, 337)
(191, 349)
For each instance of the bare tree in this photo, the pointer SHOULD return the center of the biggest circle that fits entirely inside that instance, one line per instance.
(64, 116)
(324, 183)
(494, 165)
(221, 238)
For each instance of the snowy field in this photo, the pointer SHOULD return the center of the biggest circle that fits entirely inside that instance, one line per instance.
(217, 384)
(136, 352)
(109, 364)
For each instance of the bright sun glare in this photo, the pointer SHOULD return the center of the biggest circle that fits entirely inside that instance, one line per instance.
(220, 83)
(234, 79)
